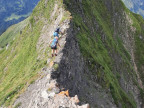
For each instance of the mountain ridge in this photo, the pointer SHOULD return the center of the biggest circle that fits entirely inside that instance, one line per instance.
(101, 57)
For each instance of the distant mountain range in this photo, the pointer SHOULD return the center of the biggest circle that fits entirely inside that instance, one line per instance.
(14, 11)
(137, 6)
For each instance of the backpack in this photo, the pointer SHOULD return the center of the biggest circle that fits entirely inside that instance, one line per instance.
(56, 34)
(54, 43)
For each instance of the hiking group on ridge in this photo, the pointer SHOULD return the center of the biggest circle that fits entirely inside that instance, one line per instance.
(54, 43)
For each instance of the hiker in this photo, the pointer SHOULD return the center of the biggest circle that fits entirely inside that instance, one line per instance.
(53, 44)
(56, 33)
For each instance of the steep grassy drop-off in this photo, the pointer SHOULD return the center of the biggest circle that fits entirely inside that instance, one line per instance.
(8, 36)
(105, 33)
(19, 64)
(22, 61)
(100, 61)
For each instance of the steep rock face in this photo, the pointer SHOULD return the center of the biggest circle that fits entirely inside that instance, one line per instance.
(73, 74)
(95, 79)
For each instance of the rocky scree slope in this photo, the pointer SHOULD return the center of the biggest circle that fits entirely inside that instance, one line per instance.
(101, 58)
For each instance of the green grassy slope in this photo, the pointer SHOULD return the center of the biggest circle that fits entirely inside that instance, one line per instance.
(101, 52)
(19, 65)
(11, 32)
(139, 53)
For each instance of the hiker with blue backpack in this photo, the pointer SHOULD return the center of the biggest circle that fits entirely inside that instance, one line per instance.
(54, 44)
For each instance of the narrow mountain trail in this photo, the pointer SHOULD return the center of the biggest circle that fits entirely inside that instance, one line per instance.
(99, 63)
(45, 92)
(131, 42)
(136, 70)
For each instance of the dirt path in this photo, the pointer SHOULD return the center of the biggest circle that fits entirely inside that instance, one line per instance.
(43, 93)
(135, 67)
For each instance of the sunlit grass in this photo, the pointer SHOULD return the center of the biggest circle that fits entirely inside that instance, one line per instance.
(16, 17)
